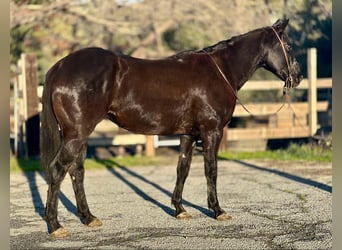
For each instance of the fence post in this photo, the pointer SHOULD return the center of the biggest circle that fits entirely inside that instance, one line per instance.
(312, 90)
(149, 146)
(27, 116)
(223, 143)
(21, 107)
(16, 116)
(31, 85)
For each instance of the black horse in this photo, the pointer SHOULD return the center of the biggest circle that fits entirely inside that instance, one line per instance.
(192, 94)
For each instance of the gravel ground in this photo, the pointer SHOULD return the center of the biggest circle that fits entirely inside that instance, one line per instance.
(273, 205)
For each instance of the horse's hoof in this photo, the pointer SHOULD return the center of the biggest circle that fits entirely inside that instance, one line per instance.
(223, 217)
(60, 233)
(183, 215)
(95, 223)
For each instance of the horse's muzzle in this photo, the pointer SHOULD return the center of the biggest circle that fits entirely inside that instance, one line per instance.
(295, 76)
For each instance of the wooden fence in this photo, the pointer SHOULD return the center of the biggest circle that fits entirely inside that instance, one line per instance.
(24, 108)
(295, 119)
(298, 119)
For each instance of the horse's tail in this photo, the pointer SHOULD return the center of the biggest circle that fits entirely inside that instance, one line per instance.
(50, 138)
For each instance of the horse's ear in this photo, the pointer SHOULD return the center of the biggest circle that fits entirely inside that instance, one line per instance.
(280, 25)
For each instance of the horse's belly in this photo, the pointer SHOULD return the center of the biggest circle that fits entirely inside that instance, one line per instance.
(152, 123)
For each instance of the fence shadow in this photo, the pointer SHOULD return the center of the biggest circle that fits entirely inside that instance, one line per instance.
(296, 178)
(112, 166)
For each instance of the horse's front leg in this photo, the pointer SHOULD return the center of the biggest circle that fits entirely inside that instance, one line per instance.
(211, 141)
(186, 147)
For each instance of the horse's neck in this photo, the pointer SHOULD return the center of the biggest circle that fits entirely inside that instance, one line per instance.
(239, 63)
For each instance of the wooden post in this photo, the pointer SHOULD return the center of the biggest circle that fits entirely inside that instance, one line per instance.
(149, 146)
(223, 143)
(22, 111)
(31, 76)
(22, 88)
(312, 90)
(28, 113)
(16, 117)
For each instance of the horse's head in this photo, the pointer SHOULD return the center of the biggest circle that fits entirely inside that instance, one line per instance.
(278, 58)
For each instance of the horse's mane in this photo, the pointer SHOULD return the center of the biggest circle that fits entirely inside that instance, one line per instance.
(221, 44)
(218, 46)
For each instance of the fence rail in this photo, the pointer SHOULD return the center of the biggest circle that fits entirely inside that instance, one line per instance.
(291, 122)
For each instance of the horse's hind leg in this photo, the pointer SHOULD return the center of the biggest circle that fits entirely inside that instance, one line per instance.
(56, 173)
(76, 172)
(186, 146)
(66, 158)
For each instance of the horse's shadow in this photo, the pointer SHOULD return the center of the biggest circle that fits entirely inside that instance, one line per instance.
(113, 166)
(37, 199)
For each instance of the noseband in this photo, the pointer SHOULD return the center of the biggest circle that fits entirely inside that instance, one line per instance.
(288, 82)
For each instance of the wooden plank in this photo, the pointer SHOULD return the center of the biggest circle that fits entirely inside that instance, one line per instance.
(271, 108)
(126, 139)
(266, 133)
(31, 76)
(312, 91)
(149, 146)
(277, 84)
(301, 120)
(223, 143)
(322, 83)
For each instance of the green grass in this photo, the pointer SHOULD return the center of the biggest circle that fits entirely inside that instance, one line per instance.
(295, 152)
(127, 161)
(17, 165)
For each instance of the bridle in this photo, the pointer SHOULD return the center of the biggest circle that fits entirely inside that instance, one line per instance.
(286, 86)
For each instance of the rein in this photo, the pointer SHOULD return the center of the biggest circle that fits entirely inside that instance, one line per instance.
(230, 86)
(235, 92)
(285, 91)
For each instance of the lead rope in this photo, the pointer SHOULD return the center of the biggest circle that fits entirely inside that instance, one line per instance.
(286, 88)
(234, 91)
